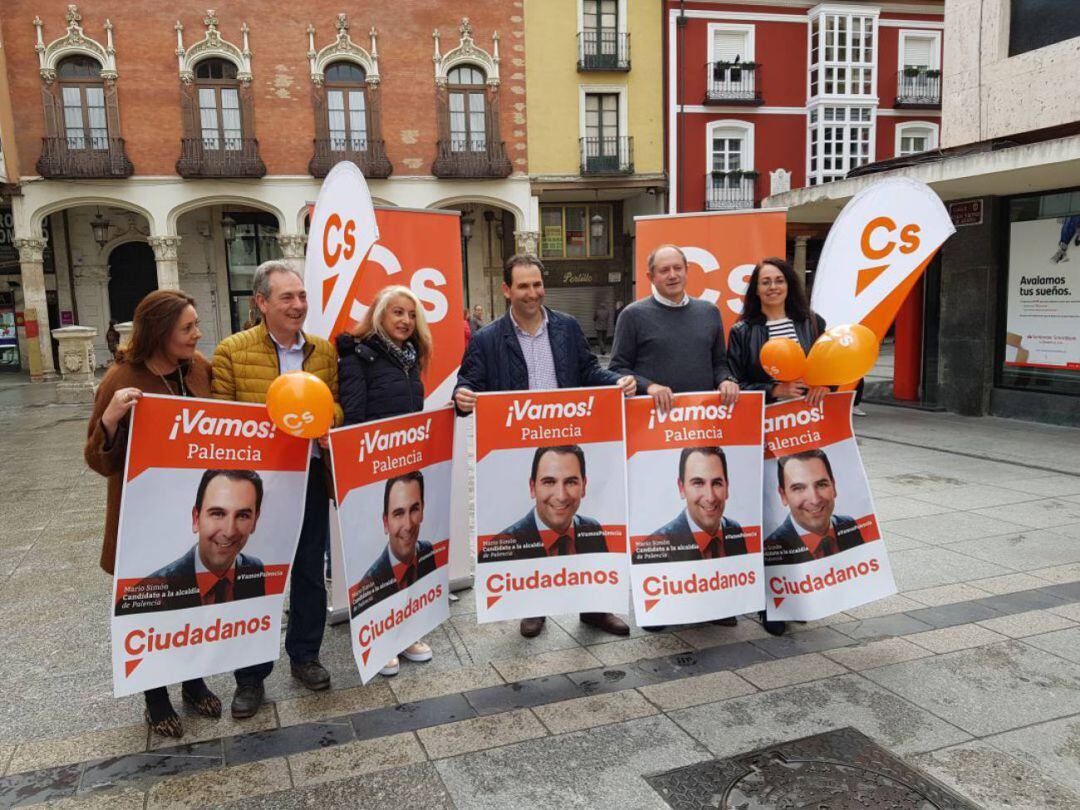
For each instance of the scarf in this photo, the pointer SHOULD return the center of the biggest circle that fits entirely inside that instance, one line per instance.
(405, 356)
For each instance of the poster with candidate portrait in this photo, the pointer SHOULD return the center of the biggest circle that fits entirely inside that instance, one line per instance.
(210, 516)
(694, 484)
(823, 548)
(550, 503)
(392, 479)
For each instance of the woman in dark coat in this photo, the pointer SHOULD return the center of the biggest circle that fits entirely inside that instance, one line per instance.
(775, 306)
(160, 359)
(379, 368)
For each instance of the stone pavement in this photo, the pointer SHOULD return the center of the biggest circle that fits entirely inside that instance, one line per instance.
(970, 673)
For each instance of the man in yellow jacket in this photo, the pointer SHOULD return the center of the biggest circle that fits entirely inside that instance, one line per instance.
(244, 366)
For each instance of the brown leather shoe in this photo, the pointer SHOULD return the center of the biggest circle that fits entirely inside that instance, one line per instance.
(608, 622)
(530, 628)
(730, 621)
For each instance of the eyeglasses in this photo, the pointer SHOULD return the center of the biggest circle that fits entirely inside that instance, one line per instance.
(768, 282)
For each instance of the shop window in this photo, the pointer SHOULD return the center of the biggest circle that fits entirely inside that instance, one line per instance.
(576, 231)
(1035, 24)
(253, 241)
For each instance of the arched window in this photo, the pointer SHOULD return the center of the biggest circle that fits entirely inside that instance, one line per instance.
(346, 106)
(219, 105)
(467, 99)
(731, 183)
(82, 95)
(916, 136)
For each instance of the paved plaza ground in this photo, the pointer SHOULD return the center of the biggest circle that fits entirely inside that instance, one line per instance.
(971, 673)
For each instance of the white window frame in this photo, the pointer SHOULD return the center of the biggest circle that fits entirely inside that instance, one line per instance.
(930, 126)
(824, 11)
(747, 129)
(621, 23)
(742, 29)
(624, 117)
(820, 175)
(921, 33)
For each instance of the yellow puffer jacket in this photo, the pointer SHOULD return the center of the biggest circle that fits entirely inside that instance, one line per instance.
(246, 363)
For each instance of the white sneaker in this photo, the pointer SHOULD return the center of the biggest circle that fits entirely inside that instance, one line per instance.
(418, 652)
(859, 411)
(392, 668)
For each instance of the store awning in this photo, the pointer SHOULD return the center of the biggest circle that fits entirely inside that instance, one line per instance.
(1041, 166)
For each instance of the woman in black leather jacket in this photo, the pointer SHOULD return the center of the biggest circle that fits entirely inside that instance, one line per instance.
(775, 306)
(379, 368)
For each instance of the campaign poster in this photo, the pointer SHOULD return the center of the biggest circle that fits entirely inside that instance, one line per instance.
(392, 478)
(550, 503)
(823, 547)
(210, 516)
(694, 484)
(1043, 321)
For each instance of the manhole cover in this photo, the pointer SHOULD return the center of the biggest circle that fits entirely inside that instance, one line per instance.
(839, 770)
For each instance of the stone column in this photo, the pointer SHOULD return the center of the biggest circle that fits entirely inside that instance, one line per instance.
(293, 250)
(124, 329)
(527, 242)
(166, 250)
(77, 363)
(32, 265)
(800, 257)
(92, 301)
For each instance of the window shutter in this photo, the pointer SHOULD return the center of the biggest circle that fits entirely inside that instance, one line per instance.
(730, 44)
(917, 51)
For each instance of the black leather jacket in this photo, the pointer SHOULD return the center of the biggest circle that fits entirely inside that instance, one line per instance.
(744, 349)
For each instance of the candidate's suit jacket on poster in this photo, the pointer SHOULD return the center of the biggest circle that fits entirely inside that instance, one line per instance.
(379, 582)
(179, 575)
(785, 547)
(680, 543)
(588, 539)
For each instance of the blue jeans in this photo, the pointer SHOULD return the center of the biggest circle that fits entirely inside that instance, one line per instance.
(307, 588)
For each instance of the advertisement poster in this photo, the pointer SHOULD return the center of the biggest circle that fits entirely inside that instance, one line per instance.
(823, 547)
(721, 250)
(694, 484)
(550, 503)
(392, 478)
(1043, 322)
(209, 520)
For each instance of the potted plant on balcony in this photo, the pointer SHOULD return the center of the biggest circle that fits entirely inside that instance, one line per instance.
(912, 71)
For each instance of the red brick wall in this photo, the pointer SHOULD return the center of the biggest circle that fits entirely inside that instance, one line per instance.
(149, 84)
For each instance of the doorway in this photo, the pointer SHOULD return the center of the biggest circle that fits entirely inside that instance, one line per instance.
(132, 275)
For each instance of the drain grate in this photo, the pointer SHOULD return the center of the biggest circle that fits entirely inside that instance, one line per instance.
(838, 770)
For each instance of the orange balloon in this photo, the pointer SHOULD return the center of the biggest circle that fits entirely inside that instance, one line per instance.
(783, 359)
(301, 404)
(842, 355)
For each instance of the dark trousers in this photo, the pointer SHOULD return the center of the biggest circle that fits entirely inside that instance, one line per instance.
(307, 587)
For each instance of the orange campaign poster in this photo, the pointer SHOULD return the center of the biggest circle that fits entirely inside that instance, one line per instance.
(550, 503)
(392, 479)
(694, 484)
(210, 516)
(721, 250)
(823, 546)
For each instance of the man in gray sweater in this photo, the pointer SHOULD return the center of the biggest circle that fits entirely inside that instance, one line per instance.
(673, 343)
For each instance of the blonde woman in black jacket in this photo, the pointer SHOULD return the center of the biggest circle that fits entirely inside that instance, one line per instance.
(379, 368)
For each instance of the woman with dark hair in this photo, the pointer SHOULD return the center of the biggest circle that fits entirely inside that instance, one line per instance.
(775, 306)
(160, 359)
(379, 368)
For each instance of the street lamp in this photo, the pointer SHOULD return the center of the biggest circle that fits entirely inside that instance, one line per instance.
(100, 226)
(228, 228)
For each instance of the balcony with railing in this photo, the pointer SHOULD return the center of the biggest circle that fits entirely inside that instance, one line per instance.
(603, 49)
(220, 157)
(730, 191)
(368, 154)
(608, 155)
(470, 157)
(918, 87)
(733, 83)
(94, 158)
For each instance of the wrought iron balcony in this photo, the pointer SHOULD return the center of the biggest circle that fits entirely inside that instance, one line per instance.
(96, 158)
(457, 158)
(730, 191)
(918, 87)
(219, 157)
(603, 50)
(369, 155)
(609, 155)
(733, 83)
